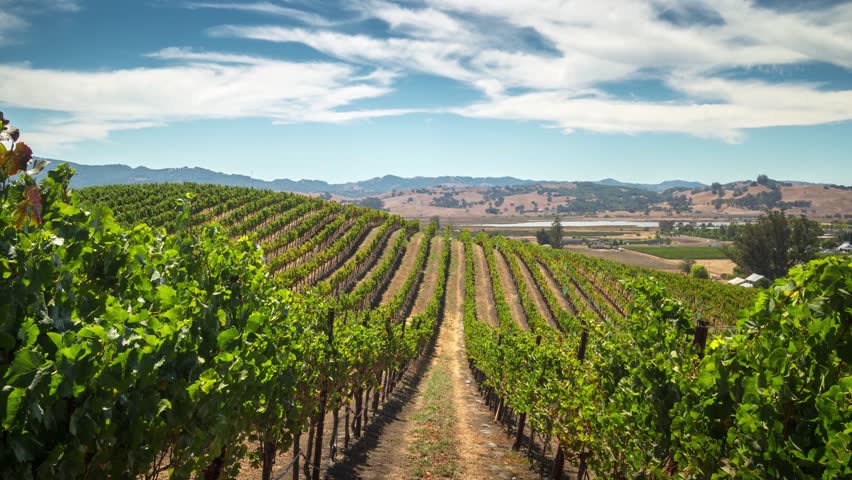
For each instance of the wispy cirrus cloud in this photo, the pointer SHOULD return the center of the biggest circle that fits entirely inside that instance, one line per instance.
(195, 85)
(685, 45)
(9, 25)
(265, 8)
(16, 15)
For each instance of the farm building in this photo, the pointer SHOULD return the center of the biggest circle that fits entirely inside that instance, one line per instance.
(754, 278)
(748, 282)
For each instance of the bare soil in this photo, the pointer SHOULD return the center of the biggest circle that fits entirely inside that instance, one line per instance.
(485, 308)
(485, 450)
(718, 267)
(404, 269)
(368, 239)
(430, 277)
(628, 257)
(510, 291)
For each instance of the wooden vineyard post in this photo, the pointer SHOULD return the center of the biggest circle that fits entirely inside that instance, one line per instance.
(268, 458)
(364, 409)
(522, 420)
(375, 406)
(296, 454)
(699, 339)
(335, 424)
(498, 411)
(356, 421)
(308, 453)
(346, 426)
(581, 350)
(559, 463)
(581, 468)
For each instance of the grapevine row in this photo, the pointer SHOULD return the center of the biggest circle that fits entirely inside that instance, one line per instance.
(641, 395)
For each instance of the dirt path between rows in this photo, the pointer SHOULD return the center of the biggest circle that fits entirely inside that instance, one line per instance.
(430, 277)
(368, 239)
(485, 451)
(404, 269)
(407, 443)
(536, 295)
(486, 311)
(510, 291)
(381, 258)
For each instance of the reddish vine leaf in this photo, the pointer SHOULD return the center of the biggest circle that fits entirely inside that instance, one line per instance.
(29, 209)
(16, 160)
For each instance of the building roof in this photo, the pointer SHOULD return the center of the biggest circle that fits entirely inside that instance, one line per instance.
(736, 281)
(845, 246)
(754, 277)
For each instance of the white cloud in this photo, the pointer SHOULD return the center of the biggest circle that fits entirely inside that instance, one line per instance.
(60, 133)
(591, 44)
(24, 11)
(399, 53)
(420, 23)
(549, 61)
(202, 85)
(9, 25)
(267, 8)
(66, 5)
(744, 105)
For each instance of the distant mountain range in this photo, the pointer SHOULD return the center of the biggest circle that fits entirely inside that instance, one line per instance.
(654, 187)
(90, 175)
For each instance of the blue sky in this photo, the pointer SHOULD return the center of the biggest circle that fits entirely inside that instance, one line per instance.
(638, 90)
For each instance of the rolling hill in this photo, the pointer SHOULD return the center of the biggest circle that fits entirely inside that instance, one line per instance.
(466, 197)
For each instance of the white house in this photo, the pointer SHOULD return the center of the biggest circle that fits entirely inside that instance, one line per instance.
(845, 247)
(736, 281)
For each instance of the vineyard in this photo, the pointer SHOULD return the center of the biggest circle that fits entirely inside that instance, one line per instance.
(199, 331)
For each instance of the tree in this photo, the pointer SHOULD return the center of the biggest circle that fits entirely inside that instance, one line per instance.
(556, 233)
(542, 237)
(699, 271)
(686, 265)
(774, 243)
(762, 179)
(371, 202)
(715, 187)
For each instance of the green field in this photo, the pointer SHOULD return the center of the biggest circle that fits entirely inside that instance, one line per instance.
(680, 253)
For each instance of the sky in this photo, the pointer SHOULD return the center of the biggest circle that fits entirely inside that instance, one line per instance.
(637, 90)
